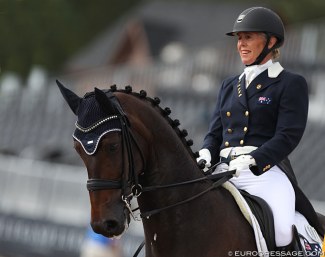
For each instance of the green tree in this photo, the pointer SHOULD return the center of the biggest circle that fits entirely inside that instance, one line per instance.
(47, 32)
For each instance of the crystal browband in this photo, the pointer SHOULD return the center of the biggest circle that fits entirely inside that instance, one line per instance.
(92, 127)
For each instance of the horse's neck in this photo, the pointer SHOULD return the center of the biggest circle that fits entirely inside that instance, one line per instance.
(169, 230)
(171, 162)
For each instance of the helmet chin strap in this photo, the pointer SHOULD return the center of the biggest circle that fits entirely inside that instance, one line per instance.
(264, 52)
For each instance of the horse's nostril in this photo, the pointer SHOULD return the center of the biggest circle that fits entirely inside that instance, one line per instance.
(110, 224)
(108, 227)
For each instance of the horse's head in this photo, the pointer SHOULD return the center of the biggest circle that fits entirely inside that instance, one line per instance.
(105, 144)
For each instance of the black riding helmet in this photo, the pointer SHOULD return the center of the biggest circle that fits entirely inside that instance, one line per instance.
(260, 19)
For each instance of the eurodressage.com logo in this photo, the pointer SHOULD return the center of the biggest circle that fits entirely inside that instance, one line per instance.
(274, 254)
(280, 253)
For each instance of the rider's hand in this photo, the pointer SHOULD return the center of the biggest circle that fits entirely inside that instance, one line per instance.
(204, 154)
(222, 167)
(242, 162)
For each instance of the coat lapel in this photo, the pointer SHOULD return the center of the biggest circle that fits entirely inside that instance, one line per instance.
(240, 91)
(260, 83)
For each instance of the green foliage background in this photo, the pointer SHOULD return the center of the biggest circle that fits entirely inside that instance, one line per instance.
(47, 32)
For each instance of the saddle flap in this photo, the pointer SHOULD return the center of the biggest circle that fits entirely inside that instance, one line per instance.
(264, 216)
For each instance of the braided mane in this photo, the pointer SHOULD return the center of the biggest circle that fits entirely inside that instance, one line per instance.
(182, 134)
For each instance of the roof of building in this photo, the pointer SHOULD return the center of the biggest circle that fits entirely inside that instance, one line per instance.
(193, 25)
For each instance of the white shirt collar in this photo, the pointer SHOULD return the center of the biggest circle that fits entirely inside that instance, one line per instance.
(251, 72)
(275, 70)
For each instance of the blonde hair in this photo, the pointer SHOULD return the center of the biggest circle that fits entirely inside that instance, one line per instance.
(276, 53)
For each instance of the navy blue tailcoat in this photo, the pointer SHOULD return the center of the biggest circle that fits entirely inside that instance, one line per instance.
(270, 114)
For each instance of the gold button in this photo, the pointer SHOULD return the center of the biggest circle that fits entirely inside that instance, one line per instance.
(246, 113)
(241, 142)
(259, 86)
(229, 131)
(245, 129)
(228, 114)
(227, 143)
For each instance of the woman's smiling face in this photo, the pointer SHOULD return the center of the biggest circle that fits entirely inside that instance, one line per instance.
(250, 45)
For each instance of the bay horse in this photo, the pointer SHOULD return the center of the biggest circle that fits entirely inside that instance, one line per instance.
(132, 148)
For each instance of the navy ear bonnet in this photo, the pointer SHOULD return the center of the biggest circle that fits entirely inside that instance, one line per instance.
(99, 112)
(93, 123)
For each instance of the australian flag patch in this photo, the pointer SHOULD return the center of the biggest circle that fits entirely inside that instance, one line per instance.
(264, 100)
(312, 250)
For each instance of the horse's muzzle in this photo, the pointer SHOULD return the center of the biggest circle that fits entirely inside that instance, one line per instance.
(113, 223)
(109, 227)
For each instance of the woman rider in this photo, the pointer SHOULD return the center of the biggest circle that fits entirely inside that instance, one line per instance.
(259, 119)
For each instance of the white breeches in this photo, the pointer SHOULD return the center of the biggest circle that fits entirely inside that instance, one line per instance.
(275, 188)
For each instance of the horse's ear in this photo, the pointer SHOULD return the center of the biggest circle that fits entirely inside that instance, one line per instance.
(71, 98)
(104, 102)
